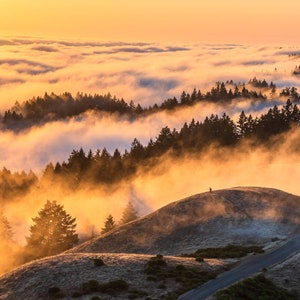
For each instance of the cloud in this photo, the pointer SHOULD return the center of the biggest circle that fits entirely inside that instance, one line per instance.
(6, 42)
(5, 81)
(156, 83)
(256, 62)
(143, 72)
(28, 66)
(44, 48)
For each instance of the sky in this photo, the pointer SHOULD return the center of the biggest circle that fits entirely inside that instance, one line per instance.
(215, 21)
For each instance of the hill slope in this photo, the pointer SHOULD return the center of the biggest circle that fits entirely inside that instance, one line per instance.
(239, 215)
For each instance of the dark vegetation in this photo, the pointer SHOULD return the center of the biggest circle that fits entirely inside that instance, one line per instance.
(98, 262)
(113, 288)
(102, 168)
(53, 231)
(39, 110)
(52, 107)
(229, 251)
(257, 288)
(158, 270)
(55, 293)
(296, 71)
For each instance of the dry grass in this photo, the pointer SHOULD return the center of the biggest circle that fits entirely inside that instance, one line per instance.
(69, 271)
(244, 216)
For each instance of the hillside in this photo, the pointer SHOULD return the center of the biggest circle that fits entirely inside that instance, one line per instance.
(249, 215)
(69, 271)
(244, 215)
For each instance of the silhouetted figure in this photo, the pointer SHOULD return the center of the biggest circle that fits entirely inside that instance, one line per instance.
(210, 190)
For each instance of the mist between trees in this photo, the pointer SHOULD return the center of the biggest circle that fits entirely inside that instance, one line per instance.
(220, 152)
(51, 107)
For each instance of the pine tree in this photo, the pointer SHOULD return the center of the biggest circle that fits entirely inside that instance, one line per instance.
(53, 232)
(109, 224)
(5, 229)
(129, 214)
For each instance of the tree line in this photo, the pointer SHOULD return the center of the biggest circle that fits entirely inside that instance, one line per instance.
(52, 107)
(104, 168)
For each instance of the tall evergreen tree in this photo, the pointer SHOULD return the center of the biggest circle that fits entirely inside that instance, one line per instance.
(53, 231)
(129, 214)
(5, 229)
(109, 224)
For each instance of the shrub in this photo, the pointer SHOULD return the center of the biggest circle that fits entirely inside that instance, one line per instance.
(98, 262)
(113, 287)
(90, 286)
(134, 293)
(199, 259)
(229, 251)
(55, 292)
(76, 294)
(155, 265)
(254, 288)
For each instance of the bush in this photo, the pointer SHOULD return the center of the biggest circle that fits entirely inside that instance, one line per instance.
(55, 292)
(113, 287)
(199, 259)
(76, 295)
(90, 286)
(98, 262)
(134, 293)
(254, 288)
(189, 278)
(155, 265)
(229, 251)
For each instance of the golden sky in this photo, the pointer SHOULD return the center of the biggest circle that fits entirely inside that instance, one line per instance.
(214, 21)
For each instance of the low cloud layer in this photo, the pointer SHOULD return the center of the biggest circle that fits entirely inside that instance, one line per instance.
(147, 74)
(143, 72)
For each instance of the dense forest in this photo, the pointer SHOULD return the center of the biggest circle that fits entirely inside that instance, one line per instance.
(51, 107)
(103, 168)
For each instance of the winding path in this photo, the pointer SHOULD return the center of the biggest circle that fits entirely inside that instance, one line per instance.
(247, 268)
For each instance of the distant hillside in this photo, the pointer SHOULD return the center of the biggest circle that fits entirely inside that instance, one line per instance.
(249, 215)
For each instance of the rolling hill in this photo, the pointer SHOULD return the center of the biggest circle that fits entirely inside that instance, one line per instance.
(243, 215)
(246, 215)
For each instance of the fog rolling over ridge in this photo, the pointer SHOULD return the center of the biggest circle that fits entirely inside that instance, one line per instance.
(145, 73)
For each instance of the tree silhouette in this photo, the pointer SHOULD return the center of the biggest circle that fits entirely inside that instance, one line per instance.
(53, 231)
(5, 229)
(129, 214)
(109, 224)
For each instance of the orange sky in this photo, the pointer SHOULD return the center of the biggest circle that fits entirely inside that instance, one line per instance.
(215, 21)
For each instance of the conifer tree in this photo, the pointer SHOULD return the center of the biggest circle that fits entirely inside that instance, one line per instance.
(129, 214)
(53, 231)
(109, 224)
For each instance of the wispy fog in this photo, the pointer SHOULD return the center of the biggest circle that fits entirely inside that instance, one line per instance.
(147, 74)
(143, 72)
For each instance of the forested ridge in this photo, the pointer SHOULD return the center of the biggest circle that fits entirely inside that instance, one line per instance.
(103, 168)
(52, 107)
